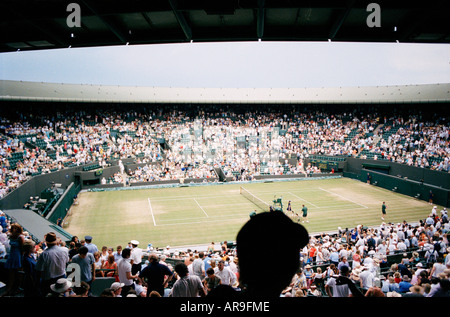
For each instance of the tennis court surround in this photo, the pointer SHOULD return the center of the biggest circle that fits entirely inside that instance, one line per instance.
(194, 215)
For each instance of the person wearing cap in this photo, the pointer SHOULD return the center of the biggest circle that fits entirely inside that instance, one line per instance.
(136, 257)
(309, 274)
(434, 211)
(405, 284)
(272, 231)
(140, 288)
(52, 262)
(414, 291)
(116, 288)
(313, 291)
(444, 216)
(354, 274)
(366, 278)
(92, 248)
(393, 294)
(61, 288)
(419, 268)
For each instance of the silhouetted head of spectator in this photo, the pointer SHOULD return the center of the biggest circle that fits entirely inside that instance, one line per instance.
(126, 253)
(181, 269)
(83, 251)
(272, 232)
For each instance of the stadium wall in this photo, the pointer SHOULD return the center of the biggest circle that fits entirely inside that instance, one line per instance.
(409, 187)
(408, 180)
(428, 176)
(62, 207)
(94, 177)
(34, 186)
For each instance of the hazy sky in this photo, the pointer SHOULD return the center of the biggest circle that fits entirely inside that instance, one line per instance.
(235, 65)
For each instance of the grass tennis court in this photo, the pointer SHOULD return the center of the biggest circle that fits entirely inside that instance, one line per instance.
(196, 215)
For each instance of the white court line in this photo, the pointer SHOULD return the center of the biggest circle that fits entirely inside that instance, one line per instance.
(339, 206)
(247, 202)
(304, 200)
(180, 197)
(214, 219)
(151, 211)
(217, 219)
(190, 197)
(343, 197)
(201, 207)
(223, 217)
(193, 222)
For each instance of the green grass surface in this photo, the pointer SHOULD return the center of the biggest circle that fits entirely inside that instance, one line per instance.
(198, 215)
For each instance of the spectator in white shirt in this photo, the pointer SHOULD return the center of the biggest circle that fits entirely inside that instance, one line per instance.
(366, 278)
(401, 246)
(225, 274)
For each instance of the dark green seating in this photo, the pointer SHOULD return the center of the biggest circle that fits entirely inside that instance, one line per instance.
(100, 284)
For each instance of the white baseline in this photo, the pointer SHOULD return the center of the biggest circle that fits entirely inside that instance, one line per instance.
(151, 211)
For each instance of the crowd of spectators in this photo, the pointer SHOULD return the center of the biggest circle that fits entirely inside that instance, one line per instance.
(244, 144)
(415, 143)
(378, 260)
(389, 260)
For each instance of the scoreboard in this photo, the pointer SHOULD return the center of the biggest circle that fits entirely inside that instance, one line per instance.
(325, 165)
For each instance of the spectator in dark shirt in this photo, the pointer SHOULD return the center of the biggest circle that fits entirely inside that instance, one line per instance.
(156, 275)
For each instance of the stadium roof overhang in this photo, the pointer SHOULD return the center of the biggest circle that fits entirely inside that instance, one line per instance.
(52, 92)
(43, 24)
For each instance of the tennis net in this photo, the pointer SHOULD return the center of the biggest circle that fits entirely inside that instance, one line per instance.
(255, 200)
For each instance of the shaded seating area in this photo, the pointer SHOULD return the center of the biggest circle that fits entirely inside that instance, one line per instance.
(100, 284)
